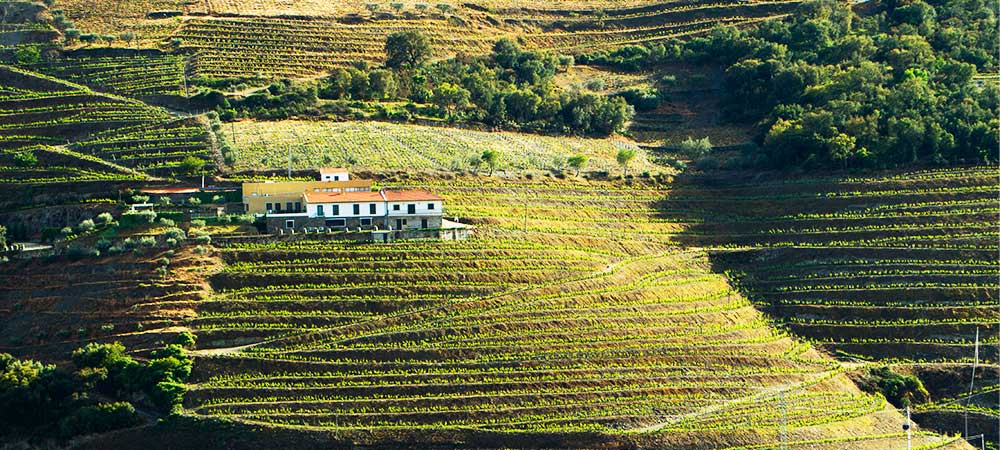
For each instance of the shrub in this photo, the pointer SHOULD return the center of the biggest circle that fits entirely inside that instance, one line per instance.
(27, 55)
(186, 339)
(197, 223)
(695, 149)
(147, 242)
(103, 244)
(218, 199)
(134, 218)
(175, 233)
(194, 201)
(163, 261)
(86, 225)
(170, 242)
(203, 239)
(167, 222)
(191, 165)
(166, 394)
(140, 199)
(98, 419)
(104, 219)
(80, 252)
(900, 390)
(66, 231)
(25, 159)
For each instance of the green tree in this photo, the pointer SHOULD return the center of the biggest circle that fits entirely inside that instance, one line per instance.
(577, 162)
(191, 165)
(491, 158)
(624, 157)
(27, 55)
(127, 37)
(451, 97)
(695, 149)
(407, 49)
(382, 84)
(71, 34)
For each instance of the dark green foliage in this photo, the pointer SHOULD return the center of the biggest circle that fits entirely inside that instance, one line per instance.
(126, 376)
(41, 400)
(27, 55)
(166, 394)
(643, 99)
(900, 390)
(3, 237)
(828, 88)
(511, 88)
(280, 100)
(407, 49)
(191, 165)
(32, 395)
(25, 159)
(186, 339)
(98, 419)
(883, 91)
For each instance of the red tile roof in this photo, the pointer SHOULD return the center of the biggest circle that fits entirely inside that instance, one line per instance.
(360, 197)
(343, 197)
(411, 196)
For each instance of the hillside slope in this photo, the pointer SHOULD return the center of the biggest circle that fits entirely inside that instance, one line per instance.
(572, 320)
(896, 268)
(36, 109)
(306, 38)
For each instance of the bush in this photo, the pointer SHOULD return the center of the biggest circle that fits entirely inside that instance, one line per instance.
(194, 201)
(900, 390)
(166, 395)
(135, 218)
(99, 418)
(25, 159)
(175, 233)
(167, 222)
(695, 149)
(103, 244)
(198, 223)
(79, 252)
(27, 55)
(186, 339)
(163, 261)
(86, 225)
(202, 239)
(147, 242)
(104, 219)
(140, 199)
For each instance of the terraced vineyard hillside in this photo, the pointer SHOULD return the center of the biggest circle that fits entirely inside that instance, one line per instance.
(897, 268)
(48, 309)
(114, 131)
(307, 38)
(572, 319)
(136, 74)
(387, 146)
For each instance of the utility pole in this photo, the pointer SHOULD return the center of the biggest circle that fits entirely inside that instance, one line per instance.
(972, 384)
(909, 430)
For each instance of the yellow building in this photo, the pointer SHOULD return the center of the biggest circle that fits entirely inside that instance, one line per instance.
(288, 197)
